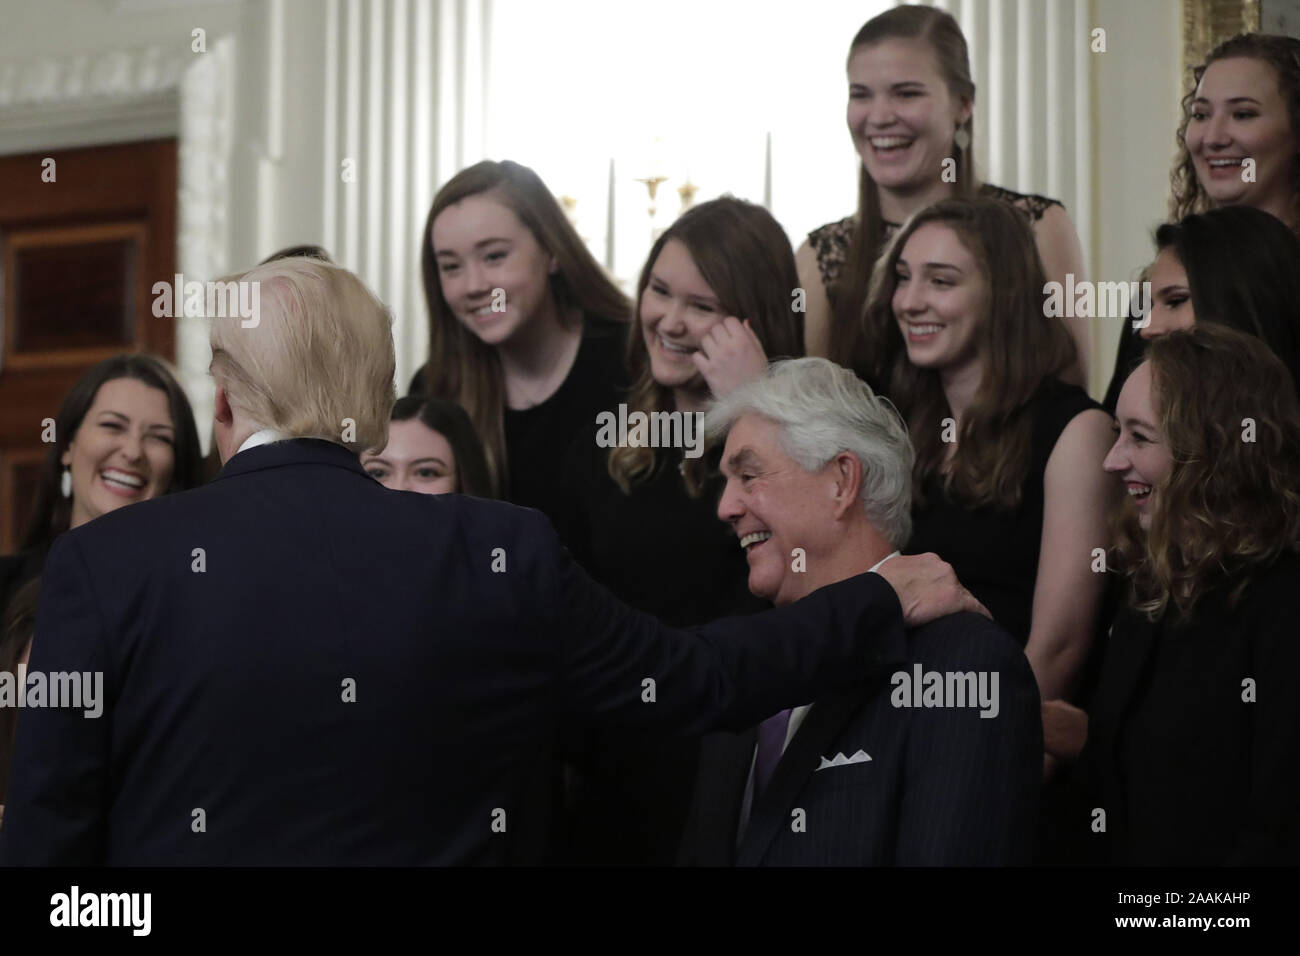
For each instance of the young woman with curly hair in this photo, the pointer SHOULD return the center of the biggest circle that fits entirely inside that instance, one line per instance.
(1194, 733)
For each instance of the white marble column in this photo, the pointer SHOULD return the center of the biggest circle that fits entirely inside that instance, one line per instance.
(203, 208)
(349, 116)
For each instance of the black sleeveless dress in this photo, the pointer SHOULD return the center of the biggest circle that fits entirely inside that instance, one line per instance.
(995, 551)
(995, 554)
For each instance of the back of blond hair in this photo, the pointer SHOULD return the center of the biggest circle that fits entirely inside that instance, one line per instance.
(318, 361)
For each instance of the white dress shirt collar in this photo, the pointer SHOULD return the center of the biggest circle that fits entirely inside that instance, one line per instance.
(265, 437)
(882, 561)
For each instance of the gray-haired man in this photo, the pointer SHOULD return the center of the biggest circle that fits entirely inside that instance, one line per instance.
(936, 757)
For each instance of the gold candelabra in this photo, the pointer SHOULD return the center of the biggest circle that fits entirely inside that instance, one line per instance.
(687, 191)
(570, 205)
(652, 186)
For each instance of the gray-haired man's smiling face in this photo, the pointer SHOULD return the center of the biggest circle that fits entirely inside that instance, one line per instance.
(776, 507)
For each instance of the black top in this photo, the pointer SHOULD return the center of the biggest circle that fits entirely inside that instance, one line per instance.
(1192, 765)
(537, 437)
(994, 551)
(666, 553)
(831, 242)
(1131, 351)
(658, 549)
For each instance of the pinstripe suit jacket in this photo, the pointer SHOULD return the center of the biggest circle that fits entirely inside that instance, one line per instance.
(943, 785)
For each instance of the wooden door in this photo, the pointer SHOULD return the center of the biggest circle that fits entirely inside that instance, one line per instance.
(82, 241)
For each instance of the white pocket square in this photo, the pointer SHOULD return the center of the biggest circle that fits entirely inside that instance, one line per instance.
(839, 760)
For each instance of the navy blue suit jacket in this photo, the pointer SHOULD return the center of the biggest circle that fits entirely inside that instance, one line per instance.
(230, 622)
(943, 786)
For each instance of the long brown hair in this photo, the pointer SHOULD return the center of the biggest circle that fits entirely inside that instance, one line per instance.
(16, 630)
(1282, 53)
(1229, 505)
(1020, 348)
(460, 367)
(938, 29)
(745, 257)
(51, 512)
(1241, 272)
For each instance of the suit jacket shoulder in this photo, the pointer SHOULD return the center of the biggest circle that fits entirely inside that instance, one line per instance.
(965, 641)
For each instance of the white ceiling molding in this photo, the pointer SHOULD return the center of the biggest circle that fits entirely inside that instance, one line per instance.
(124, 95)
(152, 6)
(84, 100)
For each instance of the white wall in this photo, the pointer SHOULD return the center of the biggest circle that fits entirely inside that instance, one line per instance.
(1094, 130)
(576, 83)
(710, 76)
(90, 72)
(349, 116)
(1137, 89)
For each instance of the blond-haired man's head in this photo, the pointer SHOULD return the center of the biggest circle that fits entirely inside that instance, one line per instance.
(314, 361)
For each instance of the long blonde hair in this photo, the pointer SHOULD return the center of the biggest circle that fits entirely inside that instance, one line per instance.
(460, 367)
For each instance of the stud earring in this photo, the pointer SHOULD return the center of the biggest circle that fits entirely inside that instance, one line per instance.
(65, 483)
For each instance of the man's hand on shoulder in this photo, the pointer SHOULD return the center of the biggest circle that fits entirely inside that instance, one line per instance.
(927, 588)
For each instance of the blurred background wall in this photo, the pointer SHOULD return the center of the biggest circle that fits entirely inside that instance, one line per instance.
(334, 121)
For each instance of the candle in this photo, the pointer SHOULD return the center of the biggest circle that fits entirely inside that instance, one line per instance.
(609, 222)
(767, 174)
(657, 164)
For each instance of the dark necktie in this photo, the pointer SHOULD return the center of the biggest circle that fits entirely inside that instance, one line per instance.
(771, 741)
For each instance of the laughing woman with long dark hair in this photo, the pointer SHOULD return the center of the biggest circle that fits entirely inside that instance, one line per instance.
(124, 433)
